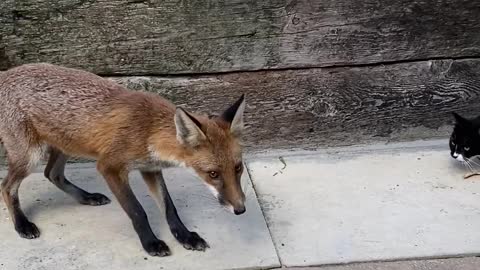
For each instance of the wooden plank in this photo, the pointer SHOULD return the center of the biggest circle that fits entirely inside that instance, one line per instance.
(333, 106)
(141, 37)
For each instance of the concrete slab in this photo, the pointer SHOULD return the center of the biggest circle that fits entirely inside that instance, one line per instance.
(378, 203)
(86, 237)
(470, 263)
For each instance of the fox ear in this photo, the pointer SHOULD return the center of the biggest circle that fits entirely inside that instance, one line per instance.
(234, 115)
(188, 128)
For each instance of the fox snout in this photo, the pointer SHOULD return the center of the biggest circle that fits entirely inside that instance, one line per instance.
(239, 205)
(239, 211)
(236, 206)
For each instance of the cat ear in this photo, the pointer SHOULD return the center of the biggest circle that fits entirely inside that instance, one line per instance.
(234, 115)
(460, 120)
(188, 129)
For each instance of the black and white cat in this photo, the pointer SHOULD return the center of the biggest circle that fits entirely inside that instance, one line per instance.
(465, 138)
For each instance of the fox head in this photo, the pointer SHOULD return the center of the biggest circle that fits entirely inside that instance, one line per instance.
(215, 153)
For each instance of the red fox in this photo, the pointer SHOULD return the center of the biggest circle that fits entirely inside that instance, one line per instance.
(68, 112)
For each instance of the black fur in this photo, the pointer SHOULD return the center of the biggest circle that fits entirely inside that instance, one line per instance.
(229, 114)
(465, 138)
(189, 240)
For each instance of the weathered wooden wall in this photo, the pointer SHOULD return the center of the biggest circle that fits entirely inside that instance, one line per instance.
(333, 106)
(191, 36)
(316, 73)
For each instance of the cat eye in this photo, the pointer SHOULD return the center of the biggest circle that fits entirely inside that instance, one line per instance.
(466, 148)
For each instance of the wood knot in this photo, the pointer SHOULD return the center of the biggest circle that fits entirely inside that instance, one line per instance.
(295, 20)
(440, 67)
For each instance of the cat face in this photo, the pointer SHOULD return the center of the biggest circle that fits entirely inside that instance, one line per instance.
(465, 139)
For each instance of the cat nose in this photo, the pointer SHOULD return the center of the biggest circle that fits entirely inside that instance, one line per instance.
(455, 155)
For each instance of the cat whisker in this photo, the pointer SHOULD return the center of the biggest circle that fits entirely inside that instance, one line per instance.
(469, 166)
(469, 163)
(469, 160)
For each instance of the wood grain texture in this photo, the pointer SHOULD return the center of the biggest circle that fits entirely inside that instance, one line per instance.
(333, 106)
(145, 37)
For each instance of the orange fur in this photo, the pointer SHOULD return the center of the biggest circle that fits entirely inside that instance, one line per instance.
(77, 113)
(84, 115)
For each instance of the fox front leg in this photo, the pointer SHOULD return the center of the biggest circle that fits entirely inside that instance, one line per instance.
(117, 180)
(158, 188)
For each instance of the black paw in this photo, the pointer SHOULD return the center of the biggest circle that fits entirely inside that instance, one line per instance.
(27, 230)
(157, 248)
(191, 241)
(95, 199)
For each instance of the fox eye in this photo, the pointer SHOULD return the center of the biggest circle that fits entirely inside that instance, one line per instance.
(238, 168)
(213, 174)
(466, 148)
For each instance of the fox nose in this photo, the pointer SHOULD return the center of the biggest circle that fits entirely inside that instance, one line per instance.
(239, 211)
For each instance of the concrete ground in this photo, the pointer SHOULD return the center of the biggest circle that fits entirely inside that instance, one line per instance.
(356, 208)
(469, 263)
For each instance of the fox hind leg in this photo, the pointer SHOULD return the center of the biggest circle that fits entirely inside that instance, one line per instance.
(55, 172)
(22, 158)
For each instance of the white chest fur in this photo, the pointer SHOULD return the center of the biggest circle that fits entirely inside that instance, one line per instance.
(156, 162)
